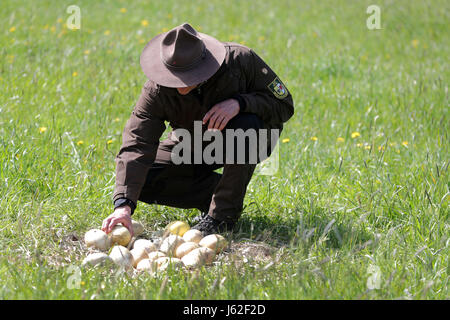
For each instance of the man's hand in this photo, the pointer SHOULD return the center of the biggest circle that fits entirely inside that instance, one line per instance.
(219, 115)
(120, 215)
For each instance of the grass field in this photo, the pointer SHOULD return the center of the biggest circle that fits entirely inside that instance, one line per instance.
(362, 193)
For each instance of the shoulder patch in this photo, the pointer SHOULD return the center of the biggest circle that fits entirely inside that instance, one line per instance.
(278, 89)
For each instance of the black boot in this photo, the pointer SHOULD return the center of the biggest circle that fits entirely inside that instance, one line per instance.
(208, 225)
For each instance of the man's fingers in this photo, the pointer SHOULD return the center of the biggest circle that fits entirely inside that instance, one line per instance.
(210, 113)
(219, 121)
(105, 224)
(224, 123)
(112, 223)
(215, 120)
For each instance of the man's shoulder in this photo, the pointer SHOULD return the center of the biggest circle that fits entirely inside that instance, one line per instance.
(151, 87)
(237, 50)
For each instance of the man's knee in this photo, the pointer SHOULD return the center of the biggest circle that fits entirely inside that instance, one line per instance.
(245, 121)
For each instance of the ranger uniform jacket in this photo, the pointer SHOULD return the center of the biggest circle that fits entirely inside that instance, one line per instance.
(243, 75)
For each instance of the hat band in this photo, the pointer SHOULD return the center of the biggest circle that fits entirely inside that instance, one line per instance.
(189, 66)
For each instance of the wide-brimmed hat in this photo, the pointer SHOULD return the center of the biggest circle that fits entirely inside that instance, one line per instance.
(182, 57)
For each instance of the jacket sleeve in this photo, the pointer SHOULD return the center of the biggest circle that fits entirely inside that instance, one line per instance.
(266, 95)
(140, 140)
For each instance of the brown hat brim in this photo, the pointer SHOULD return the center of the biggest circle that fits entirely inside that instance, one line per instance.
(155, 69)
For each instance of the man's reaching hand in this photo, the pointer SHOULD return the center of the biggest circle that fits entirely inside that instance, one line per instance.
(121, 215)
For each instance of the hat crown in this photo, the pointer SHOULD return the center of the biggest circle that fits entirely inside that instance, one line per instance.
(182, 47)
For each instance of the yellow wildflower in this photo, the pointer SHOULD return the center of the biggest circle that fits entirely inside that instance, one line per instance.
(53, 29)
(123, 10)
(340, 139)
(359, 145)
(169, 16)
(116, 120)
(314, 138)
(144, 23)
(261, 38)
(380, 148)
(107, 33)
(405, 143)
(60, 20)
(42, 129)
(415, 43)
(141, 41)
(79, 143)
(285, 140)
(355, 134)
(165, 29)
(109, 141)
(12, 29)
(86, 52)
(392, 144)
(46, 27)
(367, 147)
(74, 74)
(83, 283)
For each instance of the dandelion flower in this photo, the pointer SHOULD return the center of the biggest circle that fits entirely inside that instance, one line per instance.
(144, 23)
(12, 29)
(359, 145)
(405, 143)
(60, 20)
(314, 138)
(109, 141)
(42, 129)
(368, 147)
(107, 33)
(74, 74)
(380, 148)
(340, 139)
(123, 10)
(86, 52)
(285, 140)
(355, 134)
(116, 120)
(79, 143)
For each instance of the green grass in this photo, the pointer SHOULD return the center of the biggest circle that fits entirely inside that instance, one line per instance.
(333, 210)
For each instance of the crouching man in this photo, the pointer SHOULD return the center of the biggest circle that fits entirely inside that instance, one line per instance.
(197, 84)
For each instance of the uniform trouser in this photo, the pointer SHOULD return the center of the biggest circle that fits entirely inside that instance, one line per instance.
(197, 185)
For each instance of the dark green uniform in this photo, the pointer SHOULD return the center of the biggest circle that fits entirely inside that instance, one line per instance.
(144, 170)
